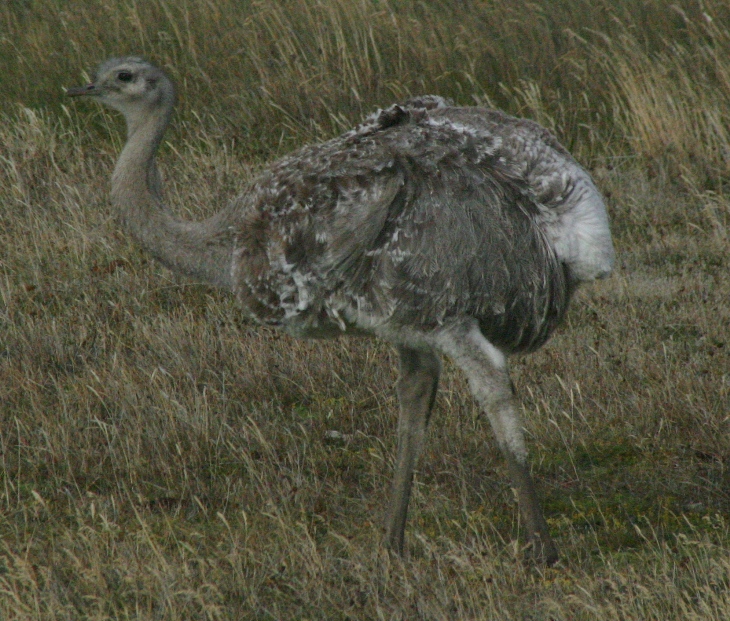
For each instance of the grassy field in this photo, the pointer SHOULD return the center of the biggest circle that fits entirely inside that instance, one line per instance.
(160, 458)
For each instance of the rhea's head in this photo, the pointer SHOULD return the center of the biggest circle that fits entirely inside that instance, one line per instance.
(131, 85)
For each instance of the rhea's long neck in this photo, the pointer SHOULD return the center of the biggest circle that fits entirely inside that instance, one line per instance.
(199, 250)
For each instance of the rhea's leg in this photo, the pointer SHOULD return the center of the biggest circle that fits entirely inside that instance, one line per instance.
(419, 375)
(486, 369)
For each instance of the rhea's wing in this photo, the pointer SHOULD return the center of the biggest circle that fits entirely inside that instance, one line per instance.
(466, 244)
(308, 226)
(573, 214)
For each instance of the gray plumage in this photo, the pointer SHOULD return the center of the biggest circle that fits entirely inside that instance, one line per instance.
(442, 229)
(362, 231)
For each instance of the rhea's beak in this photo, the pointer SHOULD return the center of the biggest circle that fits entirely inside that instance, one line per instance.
(76, 91)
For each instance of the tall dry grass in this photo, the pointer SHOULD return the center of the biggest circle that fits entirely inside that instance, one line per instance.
(601, 74)
(162, 459)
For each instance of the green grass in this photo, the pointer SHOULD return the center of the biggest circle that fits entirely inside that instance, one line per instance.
(162, 459)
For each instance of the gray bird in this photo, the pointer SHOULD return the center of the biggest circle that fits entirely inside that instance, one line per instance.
(440, 229)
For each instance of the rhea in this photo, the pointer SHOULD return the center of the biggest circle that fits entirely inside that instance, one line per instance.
(444, 230)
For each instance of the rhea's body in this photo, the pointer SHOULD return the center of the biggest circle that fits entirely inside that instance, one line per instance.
(418, 218)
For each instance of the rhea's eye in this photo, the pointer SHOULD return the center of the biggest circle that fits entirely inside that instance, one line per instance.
(124, 76)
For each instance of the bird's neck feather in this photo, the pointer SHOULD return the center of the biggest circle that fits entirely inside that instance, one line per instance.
(201, 251)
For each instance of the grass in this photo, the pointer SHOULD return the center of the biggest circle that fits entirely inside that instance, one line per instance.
(162, 459)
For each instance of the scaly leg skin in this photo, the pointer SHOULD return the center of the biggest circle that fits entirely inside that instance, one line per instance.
(419, 375)
(486, 369)
(542, 550)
